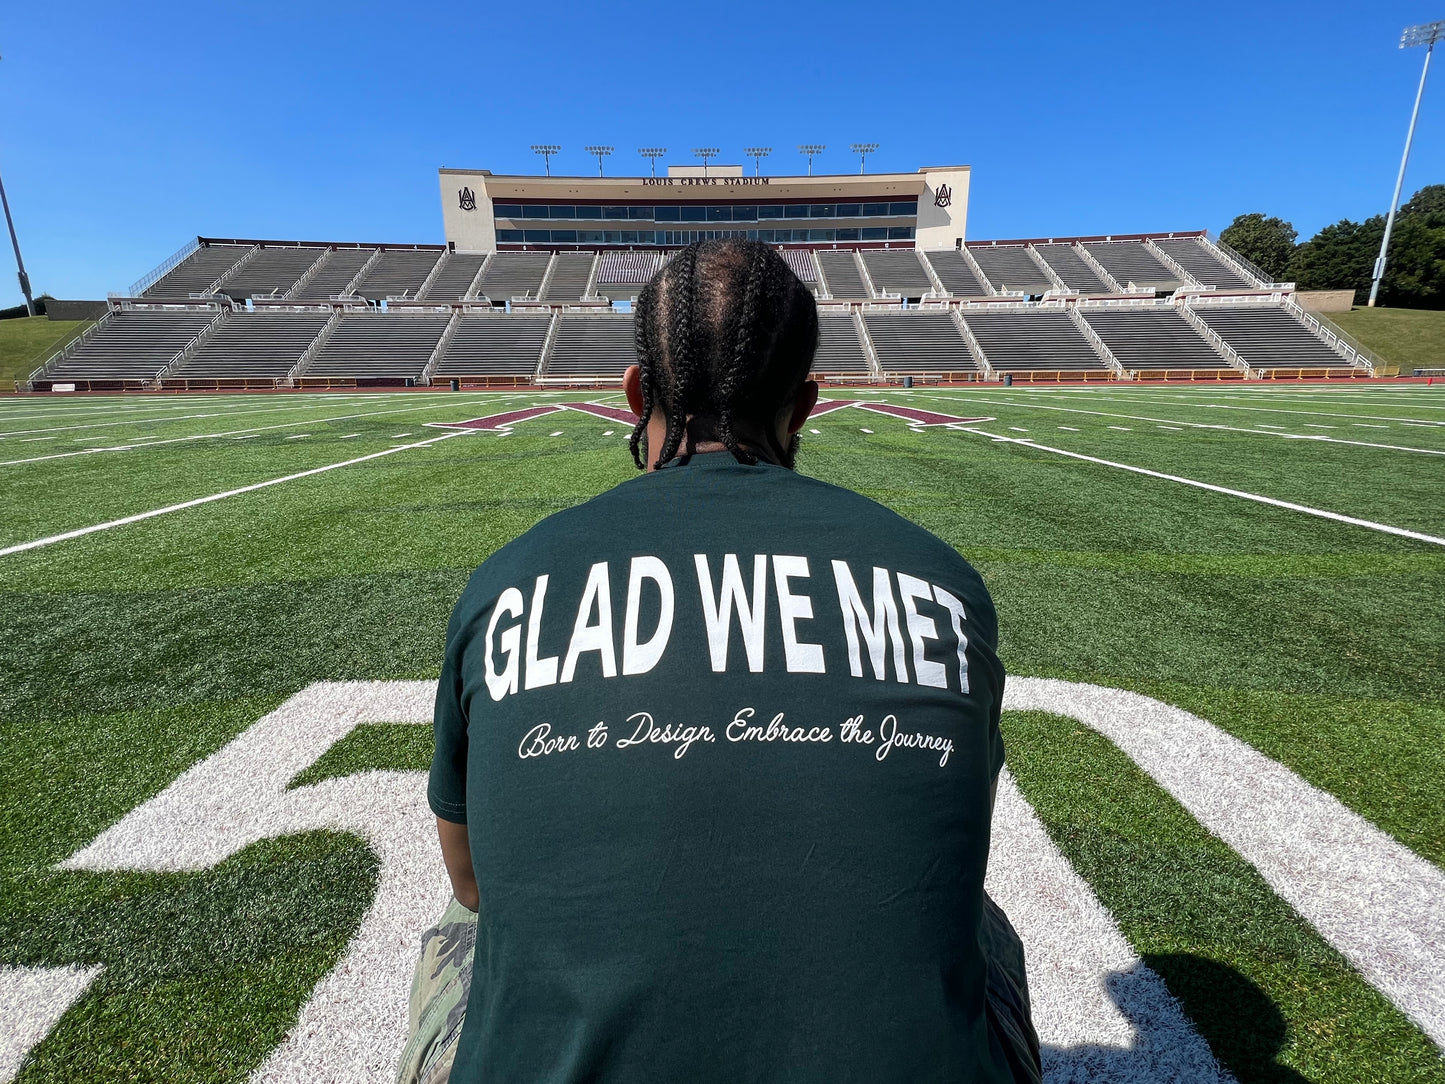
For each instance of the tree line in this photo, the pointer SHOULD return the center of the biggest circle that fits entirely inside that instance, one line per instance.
(1342, 256)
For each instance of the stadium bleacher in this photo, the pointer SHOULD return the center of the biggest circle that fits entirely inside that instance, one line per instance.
(376, 348)
(333, 276)
(571, 272)
(197, 272)
(1201, 261)
(488, 347)
(1039, 340)
(1076, 272)
(453, 280)
(841, 274)
(1268, 337)
(397, 273)
(910, 342)
(249, 348)
(1132, 262)
(271, 272)
(599, 347)
(127, 349)
(840, 352)
(956, 273)
(897, 271)
(1153, 339)
(1011, 269)
(801, 261)
(512, 275)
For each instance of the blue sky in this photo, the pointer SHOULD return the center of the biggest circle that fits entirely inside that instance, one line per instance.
(124, 135)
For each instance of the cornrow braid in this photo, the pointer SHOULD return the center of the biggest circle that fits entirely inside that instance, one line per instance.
(726, 335)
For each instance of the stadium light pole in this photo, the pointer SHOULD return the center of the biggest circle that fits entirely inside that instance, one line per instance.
(546, 150)
(653, 154)
(757, 154)
(863, 150)
(601, 150)
(705, 153)
(811, 149)
(19, 263)
(1426, 34)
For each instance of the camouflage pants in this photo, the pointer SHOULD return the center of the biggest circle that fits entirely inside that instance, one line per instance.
(439, 997)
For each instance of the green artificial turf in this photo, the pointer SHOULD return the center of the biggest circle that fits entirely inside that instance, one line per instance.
(1409, 338)
(27, 341)
(132, 652)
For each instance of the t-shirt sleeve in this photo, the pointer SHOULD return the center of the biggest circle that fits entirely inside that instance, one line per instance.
(447, 788)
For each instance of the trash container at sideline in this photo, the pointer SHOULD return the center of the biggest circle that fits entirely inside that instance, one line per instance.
(908, 381)
(1008, 380)
(456, 384)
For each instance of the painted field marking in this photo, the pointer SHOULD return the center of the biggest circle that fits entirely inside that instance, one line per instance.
(1259, 498)
(1018, 429)
(558, 433)
(398, 436)
(1266, 425)
(1176, 428)
(1367, 425)
(125, 520)
(1069, 428)
(608, 433)
(1321, 425)
(32, 440)
(868, 431)
(495, 422)
(816, 432)
(1420, 425)
(32, 1001)
(244, 436)
(602, 410)
(348, 436)
(298, 436)
(1271, 410)
(1121, 428)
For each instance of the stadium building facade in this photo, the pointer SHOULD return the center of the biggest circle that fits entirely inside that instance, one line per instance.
(535, 280)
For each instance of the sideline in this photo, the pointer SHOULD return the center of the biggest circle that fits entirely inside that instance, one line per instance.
(123, 521)
(1141, 395)
(1211, 487)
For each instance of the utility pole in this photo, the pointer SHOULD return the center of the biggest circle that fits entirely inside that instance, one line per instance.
(1426, 34)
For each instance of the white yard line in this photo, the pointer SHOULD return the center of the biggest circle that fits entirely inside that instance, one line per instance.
(1268, 409)
(1257, 497)
(124, 520)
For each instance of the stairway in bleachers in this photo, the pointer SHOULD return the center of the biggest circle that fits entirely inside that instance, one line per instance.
(897, 271)
(918, 342)
(1011, 268)
(1152, 339)
(954, 272)
(455, 277)
(1131, 261)
(512, 275)
(1042, 340)
(129, 348)
(335, 274)
(378, 347)
(397, 273)
(494, 346)
(1268, 337)
(270, 273)
(196, 272)
(569, 276)
(839, 350)
(1073, 269)
(1200, 260)
(592, 346)
(251, 346)
(840, 272)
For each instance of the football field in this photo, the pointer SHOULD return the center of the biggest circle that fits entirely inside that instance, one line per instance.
(1223, 831)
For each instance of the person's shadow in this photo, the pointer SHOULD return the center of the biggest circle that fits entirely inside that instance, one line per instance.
(1243, 1028)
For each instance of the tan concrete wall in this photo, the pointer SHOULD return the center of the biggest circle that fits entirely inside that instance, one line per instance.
(470, 231)
(943, 226)
(1325, 300)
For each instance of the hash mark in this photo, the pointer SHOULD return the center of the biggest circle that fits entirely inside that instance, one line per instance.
(1122, 428)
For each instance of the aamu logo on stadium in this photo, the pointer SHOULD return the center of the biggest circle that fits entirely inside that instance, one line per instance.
(944, 197)
(467, 199)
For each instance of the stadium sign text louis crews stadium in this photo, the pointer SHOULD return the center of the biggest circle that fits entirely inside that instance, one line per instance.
(706, 180)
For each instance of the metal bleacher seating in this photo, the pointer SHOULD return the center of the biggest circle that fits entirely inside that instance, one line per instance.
(954, 272)
(570, 274)
(840, 273)
(513, 275)
(801, 261)
(455, 278)
(485, 347)
(1268, 337)
(1153, 339)
(622, 275)
(1073, 269)
(592, 346)
(197, 272)
(1201, 261)
(377, 347)
(839, 349)
(127, 349)
(397, 273)
(918, 342)
(249, 347)
(1132, 262)
(1039, 340)
(333, 276)
(897, 271)
(1011, 268)
(271, 272)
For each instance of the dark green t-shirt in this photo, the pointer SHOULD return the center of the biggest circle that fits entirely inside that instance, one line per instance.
(723, 738)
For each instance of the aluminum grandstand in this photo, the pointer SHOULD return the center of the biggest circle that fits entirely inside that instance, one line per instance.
(901, 293)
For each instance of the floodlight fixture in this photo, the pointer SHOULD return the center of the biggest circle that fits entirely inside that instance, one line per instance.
(1426, 34)
(811, 149)
(601, 150)
(546, 150)
(705, 153)
(863, 150)
(757, 154)
(653, 154)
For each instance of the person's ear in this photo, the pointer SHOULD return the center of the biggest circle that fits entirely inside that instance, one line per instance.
(803, 406)
(632, 386)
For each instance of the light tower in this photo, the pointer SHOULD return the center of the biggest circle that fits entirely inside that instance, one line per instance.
(863, 150)
(757, 154)
(653, 154)
(811, 149)
(546, 150)
(705, 153)
(19, 263)
(601, 150)
(1426, 34)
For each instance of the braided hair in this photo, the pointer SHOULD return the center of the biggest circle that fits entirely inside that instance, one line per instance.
(726, 335)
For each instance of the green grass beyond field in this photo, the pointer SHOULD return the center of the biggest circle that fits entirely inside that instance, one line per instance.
(26, 342)
(130, 653)
(1409, 338)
